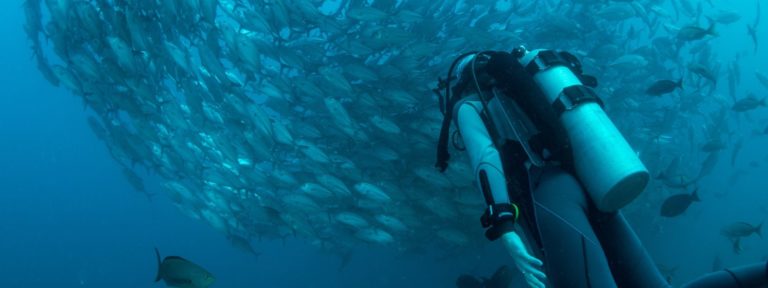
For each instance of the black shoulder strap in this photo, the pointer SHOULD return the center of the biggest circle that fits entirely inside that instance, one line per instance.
(442, 143)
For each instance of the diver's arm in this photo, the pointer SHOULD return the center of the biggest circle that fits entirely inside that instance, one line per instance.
(500, 216)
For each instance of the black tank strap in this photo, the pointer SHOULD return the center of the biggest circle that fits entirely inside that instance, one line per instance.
(544, 60)
(548, 58)
(574, 96)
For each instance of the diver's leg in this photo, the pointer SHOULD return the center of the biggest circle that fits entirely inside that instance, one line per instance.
(572, 254)
(630, 263)
(755, 275)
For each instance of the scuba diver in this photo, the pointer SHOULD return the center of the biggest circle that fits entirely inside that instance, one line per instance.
(553, 171)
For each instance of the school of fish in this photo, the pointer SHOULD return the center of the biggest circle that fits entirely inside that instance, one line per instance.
(316, 119)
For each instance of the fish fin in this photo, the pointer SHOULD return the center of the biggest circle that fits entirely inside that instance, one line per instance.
(159, 275)
(711, 29)
(695, 195)
(710, 20)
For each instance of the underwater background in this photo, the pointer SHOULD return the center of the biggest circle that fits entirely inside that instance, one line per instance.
(69, 217)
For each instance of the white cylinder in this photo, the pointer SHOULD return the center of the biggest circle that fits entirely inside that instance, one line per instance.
(605, 164)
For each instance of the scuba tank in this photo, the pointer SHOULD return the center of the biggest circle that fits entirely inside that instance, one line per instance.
(606, 165)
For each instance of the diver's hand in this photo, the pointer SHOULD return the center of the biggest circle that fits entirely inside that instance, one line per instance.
(527, 264)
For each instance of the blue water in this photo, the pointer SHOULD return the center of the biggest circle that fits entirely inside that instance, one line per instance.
(68, 218)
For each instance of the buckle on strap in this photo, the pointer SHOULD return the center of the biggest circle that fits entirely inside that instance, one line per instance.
(544, 60)
(573, 96)
(497, 213)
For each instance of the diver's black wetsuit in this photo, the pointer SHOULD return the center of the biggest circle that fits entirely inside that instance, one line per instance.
(583, 247)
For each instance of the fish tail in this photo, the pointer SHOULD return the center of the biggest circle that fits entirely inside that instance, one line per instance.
(679, 83)
(159, 275)
(695, 195)
(711, 29)
(758, 229)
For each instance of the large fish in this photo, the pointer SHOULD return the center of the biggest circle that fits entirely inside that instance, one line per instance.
(741, 229)
(662, 87)
(242, 244)
(725, 16)
(704, 72)
(708, 165)
(713, 145)
(181, 273)
(677, 204)
(692, 33)
(616, 12)
(749, 103)
(629, 62)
